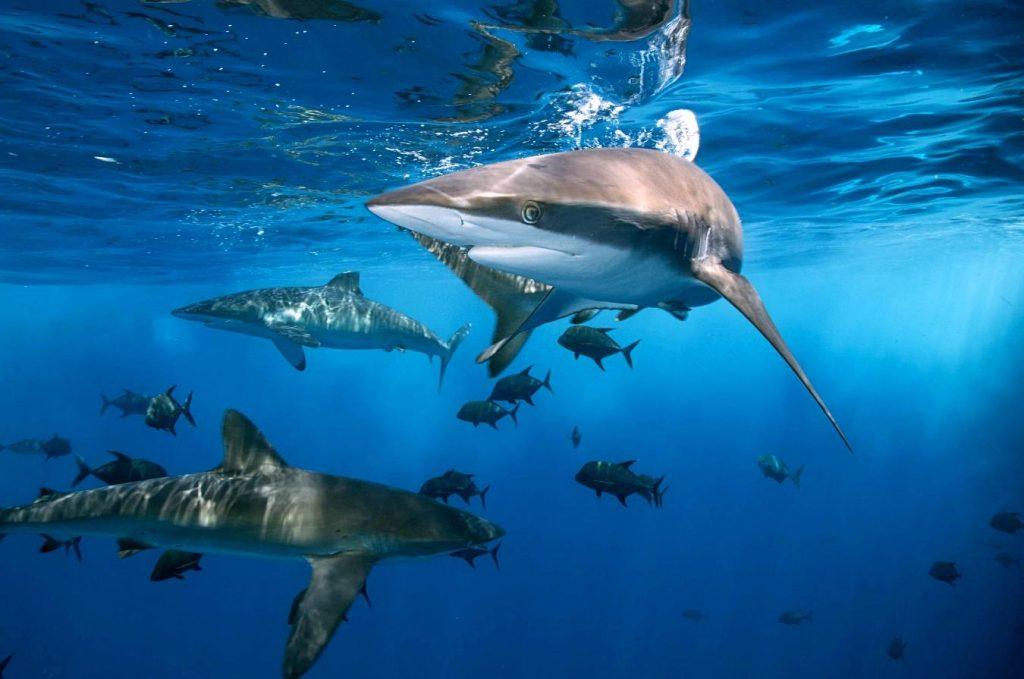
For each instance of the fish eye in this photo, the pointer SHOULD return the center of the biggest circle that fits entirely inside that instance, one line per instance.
(531, 212)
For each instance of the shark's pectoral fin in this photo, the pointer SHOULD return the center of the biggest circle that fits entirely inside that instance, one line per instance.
(742, 295)
(245, 447)
(291, 351)
(317, 612)
(554, 305)
(511, 297)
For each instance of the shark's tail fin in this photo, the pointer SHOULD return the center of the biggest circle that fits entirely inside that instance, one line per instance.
(658, 492)
(449, 350)
(83, 471)
(483, 497)
(4, 663)
(186, 410)
(795, 476)
(547, 382)
(628, 351)
(494, 555)
(512, 413)
(105, 403)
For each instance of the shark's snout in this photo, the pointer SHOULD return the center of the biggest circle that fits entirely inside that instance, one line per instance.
(423, 210)
(192, 312)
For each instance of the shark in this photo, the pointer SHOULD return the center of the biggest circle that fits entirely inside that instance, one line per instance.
(562, 234)
(336, 315)
(255, 504)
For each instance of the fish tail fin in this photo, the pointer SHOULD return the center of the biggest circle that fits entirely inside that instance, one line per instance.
(186, 410)
(83, 471)
(449, 350)
(659, 492)
(796, 476)
(4, 663)
(547, 382)
(76, 545)
(483, 497)
(512, 413)
(628, 351)
(50, 544)
(105, 403)
(494, 555)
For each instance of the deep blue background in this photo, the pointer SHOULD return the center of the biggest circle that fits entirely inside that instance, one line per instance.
(879, 177)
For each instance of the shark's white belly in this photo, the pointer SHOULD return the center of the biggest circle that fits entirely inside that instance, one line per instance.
(594, 271)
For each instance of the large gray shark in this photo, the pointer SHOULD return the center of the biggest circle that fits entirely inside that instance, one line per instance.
(549, 236)
(254, 504)
(336, 315)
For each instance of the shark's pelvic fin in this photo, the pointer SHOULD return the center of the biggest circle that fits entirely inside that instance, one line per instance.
(317, 612)
(513, 298)
(245, 447)
(127, 547)
(349, 280)
(742, 295)
(291, 351)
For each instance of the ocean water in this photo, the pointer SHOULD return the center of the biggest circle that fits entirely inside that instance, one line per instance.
(153, 154)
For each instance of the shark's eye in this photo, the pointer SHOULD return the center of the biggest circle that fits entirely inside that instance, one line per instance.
(531, 212)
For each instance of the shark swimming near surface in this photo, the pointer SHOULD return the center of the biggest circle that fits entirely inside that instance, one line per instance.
(255, 504)
(546, 237)
(336, 316)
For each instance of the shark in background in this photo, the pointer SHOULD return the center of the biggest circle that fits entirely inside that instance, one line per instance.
(335, 316)
(546, 237)
(255, 504)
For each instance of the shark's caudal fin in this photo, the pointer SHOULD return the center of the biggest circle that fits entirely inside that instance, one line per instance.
(742, 295)
(105, 403)
(450, 346)
(4, 663)
(513, 298)
(320, 608)
(83, 471)
(795, 476)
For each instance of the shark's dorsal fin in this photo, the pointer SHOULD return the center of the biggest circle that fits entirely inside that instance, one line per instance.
(349, 280)
(245, 447)
(320, 608)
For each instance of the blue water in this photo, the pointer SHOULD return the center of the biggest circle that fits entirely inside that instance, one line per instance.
(155, 154)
